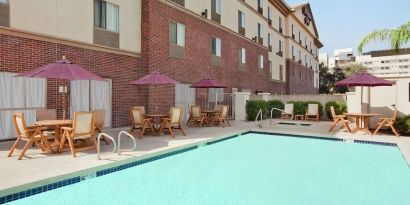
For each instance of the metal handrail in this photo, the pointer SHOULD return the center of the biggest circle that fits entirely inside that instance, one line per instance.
(99, 140)
(119, 142)
(271, 114)
(256, 119)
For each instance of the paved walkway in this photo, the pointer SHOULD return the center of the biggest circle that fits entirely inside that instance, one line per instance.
(43, 168)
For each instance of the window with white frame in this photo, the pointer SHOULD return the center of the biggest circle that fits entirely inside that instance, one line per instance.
(260, 62)
(242, 55)
(260, 3)
(260, 30)
(241, 19)
(269, 39)
(217, 6)
(269, 13)
(280, 46)
(216, 46)
(177, 33)
(106, 15)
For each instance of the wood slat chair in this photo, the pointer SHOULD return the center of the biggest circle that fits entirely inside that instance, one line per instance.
(49, 114)
(142, 108)
(287, 113)
(196, 116)
(312, 113)
(221, 118)
(388, 122)
(138, 121)
(99, 123)
(29, 134)
(337, 119)
(83, 128)
(173, 122)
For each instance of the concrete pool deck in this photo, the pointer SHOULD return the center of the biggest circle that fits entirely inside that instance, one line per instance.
(39, 169)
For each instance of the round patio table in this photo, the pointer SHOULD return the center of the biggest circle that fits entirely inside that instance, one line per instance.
(209, 114)
(362, 120)
(156, 119)
(57, 124)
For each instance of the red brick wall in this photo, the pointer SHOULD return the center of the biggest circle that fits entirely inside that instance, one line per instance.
(300, 78)
(21, 54)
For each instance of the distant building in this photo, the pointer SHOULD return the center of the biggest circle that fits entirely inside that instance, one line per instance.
(324, 59)
(343, 56)
(386, 63)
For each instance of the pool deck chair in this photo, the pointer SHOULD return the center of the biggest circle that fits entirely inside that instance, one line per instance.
(29, 134)
(221, 118)
(312, 113)
(339, 119)
(173, 122)
(99, 123)
(287, 113)
(138, 121)
(49, 114)
(388, 122)
(196, 116)
(83, 128)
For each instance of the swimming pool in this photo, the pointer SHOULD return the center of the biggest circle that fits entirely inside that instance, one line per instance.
(252, 169)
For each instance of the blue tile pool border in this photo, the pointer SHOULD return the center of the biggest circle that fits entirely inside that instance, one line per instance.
(77, 179)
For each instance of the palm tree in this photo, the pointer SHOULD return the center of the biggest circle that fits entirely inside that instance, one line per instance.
(398, 37)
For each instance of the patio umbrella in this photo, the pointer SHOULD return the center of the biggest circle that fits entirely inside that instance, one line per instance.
(63, 70)
(364, 80)
(208, 83)
(155, 78)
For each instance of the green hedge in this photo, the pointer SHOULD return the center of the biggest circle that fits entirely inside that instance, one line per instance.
(253, 107)
(402, 124)
(274, 104)
(300, 107)
(340, 108)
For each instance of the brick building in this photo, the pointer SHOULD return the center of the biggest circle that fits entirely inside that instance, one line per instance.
(256, 46)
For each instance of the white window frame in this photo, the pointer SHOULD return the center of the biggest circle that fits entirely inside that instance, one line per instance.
(242, 55)
(260, 61)
(180, 41)
(218, 46)
(269, 39)
(260, 30)
(218, 7)
(242, 19)
(269, 13)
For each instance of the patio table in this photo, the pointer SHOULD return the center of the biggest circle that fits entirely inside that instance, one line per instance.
(209, 114)
(57, 124)
(362, 120)
(156, 120)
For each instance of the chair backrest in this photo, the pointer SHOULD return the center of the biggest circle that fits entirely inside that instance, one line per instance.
(83, 123)
(218, 108)
(313, 109)
(395, 112)
(50, 114)
(20, 124)
(196, 111)
(176, 114)
(99, 117)
(142, 108)
(137, 116)
(224, 111)
(288, 108)
(332, 110)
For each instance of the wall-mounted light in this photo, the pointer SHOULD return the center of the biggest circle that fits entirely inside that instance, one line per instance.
(254, 38)
(205, 13)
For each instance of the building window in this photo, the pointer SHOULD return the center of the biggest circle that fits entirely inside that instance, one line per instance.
(216, 10)
(4, 1)
(260, 30)
(293, 32)
(270, 42)
(260, 62)
(241, 22)
(177, 34)
(180, 2)
(106, 15)
(293, 53)
(280, 46)
(270, 16)
(217, 6)
(216, 46)
(280, 25)
(281, 72)
(242, 55)
(300, 41)
(260, 6)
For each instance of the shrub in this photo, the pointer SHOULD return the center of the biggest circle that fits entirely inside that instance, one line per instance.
(402, 124)
(274, 104)
(253, 107)
(340, 108)
(315, 102)
(299, 107)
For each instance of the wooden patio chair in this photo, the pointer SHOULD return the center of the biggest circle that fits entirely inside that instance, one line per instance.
(142, 108)
(138, 121)
(29, 134)
(287, 113)
(339, 119)
(83, 128)
(49, 114)
(196, 116)
(312, 113)
(99, 123)
(388, 122)
(221, 117)
(173, 122)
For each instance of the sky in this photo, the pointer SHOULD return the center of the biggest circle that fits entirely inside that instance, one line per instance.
(343, 23)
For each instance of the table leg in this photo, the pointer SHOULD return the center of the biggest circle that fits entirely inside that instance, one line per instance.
(366, 125)
(357, 122)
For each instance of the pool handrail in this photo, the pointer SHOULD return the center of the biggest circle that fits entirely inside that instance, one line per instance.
(260, 113)
(99, 140)
(271, 114)
(119, 142)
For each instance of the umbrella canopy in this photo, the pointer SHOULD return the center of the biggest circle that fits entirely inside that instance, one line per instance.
(363, 79)
(63, 70)
(155, 78)
(208, 83)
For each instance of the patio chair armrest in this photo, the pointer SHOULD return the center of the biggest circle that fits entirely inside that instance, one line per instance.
(67, 128)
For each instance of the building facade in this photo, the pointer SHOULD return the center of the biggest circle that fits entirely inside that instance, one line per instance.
(255, 45)
(386, 63)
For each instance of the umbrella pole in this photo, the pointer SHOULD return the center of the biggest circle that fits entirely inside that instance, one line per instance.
(64, 98)
(156, 98)
(361, 100)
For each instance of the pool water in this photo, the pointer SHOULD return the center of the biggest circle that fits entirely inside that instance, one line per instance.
(252, 169)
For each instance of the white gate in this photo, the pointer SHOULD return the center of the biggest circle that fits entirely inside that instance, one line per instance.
(184, 96)
(215, 97)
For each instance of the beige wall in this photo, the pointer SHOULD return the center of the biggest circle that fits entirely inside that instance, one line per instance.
(74, 19)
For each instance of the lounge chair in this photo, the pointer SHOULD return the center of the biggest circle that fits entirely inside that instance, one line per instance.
(138, 121)
(287, 113)
(173, 122)
(196, 116)
(221, 117)
(388, 122)
(339, 119)
(99, 123)
(30, 134)
(312, 113)
(83, 128)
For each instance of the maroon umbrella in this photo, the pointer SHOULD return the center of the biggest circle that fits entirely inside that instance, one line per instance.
(208, 83)
(155, 78)
(364, 80)
(63, 70)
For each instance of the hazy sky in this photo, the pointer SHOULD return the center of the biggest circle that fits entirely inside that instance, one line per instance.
(343, 23)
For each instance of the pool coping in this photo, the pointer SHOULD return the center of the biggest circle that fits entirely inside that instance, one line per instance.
(22, 191)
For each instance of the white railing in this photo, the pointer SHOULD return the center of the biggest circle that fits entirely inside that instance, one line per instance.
(117, 147)
(101, 135)
(259, 115)
(119, 142)
(271, 114)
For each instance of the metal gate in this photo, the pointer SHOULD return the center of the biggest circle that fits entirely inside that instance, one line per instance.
(210, 100)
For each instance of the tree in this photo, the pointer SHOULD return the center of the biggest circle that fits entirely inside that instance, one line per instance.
(339, 75)
(326, 80)
(398, 37)
(352, 68)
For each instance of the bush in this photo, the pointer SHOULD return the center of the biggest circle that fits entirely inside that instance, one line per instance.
(253, 107)
(340, 108)
(299, 107)
(274, 104)
(402, 124)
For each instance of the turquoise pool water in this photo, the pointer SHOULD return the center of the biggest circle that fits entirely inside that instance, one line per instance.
(252, 169)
